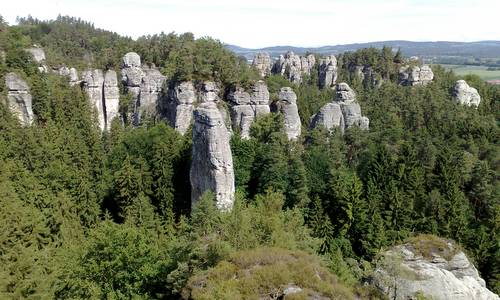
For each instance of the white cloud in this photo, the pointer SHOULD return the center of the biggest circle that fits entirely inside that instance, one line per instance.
(260, 23)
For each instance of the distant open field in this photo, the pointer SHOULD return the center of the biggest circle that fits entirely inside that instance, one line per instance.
(481, 71)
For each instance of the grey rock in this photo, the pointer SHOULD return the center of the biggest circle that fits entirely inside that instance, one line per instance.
(328, 72)
(111, 98)
(446, 273)
(262, 62)
(293, 67)
(343, 112)
(93, 84)
(179, 105)
(131, 59)
(415, 75)
(465, 94)
(209, 92)
(329, 116)
(287, 105)
(150, 92)
(71, 73)
(212, 162)
(37, 53)
(19, 99)
(245, 107)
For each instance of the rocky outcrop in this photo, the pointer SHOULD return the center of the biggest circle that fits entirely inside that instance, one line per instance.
(246, 106)
(212, 161)
(104, 95)
(287, 105)
(343, 112)
(144, 84)
(415, 75)
(93, 84)
(328, 72)
(111, 99)
(432, 267)
(71, 73)
(19, 98)
(150, 92)
(39, 57)
(262, 62)
(293, 66)
(179, 105)
(465, 94)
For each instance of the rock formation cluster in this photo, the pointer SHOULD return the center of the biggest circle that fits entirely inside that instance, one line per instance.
(102, 90)
(328, 71)
(246, 106)
(343, 112)
(262, 62)
(212, 161)
(443, 273)
(144, 84)
(465, 94)
(415, 75)
(287, 105)
(19, 98)
(293, 66)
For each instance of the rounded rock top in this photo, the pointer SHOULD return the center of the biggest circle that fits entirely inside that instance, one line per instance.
(131, 59)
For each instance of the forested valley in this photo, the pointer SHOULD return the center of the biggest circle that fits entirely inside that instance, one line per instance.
(91, 214)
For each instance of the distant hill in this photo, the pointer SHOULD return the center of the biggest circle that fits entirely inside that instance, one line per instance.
(429, 51)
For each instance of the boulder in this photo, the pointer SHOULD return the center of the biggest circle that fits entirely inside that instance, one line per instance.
(179, 105)
(212, 161)
(245, 106)
(111, 98)
(328, 71)
(343, 112)
(131, 59)
(465, 94)
(19, 99)
(287, 105)
(262, 62)
(415, 75)
(431, 267)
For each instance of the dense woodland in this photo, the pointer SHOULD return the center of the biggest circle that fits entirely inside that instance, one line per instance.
(108, 216)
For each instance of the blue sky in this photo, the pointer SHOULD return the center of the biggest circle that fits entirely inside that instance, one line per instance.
(260, 23)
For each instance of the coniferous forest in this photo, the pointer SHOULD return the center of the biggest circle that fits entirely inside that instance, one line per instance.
(86, 214)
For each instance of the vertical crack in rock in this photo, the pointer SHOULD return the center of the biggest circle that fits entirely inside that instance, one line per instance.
(212, 161)
(19, 99)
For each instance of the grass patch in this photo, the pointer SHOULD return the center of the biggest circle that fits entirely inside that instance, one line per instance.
(429, 245)
(481, 71)
(264, 273)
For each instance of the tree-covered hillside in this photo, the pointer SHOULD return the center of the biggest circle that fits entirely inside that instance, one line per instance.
(92, 215)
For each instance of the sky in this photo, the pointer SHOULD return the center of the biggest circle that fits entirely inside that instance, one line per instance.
(262, 23)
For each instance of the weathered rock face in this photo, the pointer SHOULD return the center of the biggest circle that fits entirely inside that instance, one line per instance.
(19, 98)
(440, 272)
(212, 162)
(293, 66)
(180, 101)
(287, 105)
(111, 97)
(262, 62)
(328, 72)
(343, 112)
(71, 73)
(144, 84)
(246, 106)
(39, 56)
(103, 92)
(150, 92)
(93, 84)
(465, 94)
(415, 75)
